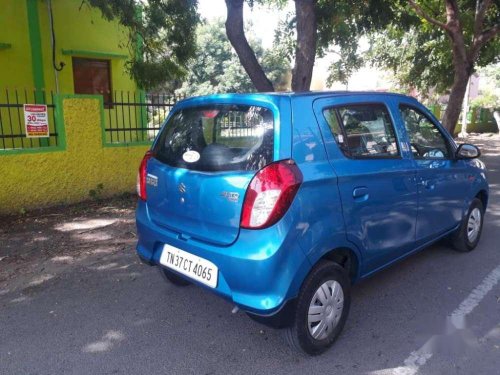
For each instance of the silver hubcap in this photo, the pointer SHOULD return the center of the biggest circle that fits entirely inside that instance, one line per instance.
(474, 224)
(325, 309)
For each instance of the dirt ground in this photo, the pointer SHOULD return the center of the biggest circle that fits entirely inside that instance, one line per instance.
(41, 244)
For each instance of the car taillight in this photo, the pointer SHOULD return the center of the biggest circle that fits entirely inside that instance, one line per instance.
(141, 176)
(270, 194)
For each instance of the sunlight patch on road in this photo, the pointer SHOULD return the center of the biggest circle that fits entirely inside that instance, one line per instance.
(98, 236)
(106, 343)
(84, 225)
(105, 267)
(103, 250)
(63, 259)
(20, 299)
(41, 279)
(494, 334)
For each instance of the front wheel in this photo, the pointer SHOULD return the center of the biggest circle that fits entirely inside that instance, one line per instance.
(322, 308)
(468, 234)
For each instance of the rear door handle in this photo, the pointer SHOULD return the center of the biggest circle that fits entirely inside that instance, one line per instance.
(360, 193)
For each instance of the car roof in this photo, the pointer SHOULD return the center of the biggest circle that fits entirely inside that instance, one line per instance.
(310, 94)
(320, 94)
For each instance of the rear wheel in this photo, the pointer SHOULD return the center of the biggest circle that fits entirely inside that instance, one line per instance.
(173, 278)
(322, 308)
(468, 234)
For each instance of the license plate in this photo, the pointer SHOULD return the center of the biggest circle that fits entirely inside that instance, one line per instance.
(192, 266)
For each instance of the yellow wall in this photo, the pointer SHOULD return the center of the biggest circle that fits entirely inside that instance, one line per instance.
(76, 28)
(82, 29)
(15, 62)
(42, 179)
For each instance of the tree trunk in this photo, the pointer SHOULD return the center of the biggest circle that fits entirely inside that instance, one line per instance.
(457, 94)
(236, 35)
(462, 68)
(305, 51)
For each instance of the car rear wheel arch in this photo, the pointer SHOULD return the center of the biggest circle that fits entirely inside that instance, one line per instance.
(346, 258)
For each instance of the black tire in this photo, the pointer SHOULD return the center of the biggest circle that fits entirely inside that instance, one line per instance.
(173, 278)
(298, 335)
(460, 239)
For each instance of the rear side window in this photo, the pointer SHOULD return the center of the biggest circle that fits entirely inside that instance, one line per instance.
(363, 130)
(218, 138)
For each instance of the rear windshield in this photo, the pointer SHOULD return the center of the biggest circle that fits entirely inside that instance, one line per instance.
(218, 138)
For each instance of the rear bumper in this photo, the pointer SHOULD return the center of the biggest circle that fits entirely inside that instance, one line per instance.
(259, 272)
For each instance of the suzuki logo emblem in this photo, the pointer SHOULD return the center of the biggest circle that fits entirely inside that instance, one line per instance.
(182, 188)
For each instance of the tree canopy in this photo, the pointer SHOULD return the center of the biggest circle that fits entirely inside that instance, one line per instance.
(216, 68)
(439, 44)
(161, 36)
(419, 53)
(315, 28)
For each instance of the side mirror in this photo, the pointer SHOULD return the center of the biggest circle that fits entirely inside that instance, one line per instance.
(467, 151)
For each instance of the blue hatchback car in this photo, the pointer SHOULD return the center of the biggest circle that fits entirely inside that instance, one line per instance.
(279, 202)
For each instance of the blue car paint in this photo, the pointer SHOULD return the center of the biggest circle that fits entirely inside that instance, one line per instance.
(194, 215)
(380, 210)
(383, 223)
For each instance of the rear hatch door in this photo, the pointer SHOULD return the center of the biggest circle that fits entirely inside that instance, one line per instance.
(204, 159)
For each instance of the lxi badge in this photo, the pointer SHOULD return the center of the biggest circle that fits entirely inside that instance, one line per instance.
(151, 180)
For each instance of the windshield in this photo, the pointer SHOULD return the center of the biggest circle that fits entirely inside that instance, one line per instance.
(218, 138)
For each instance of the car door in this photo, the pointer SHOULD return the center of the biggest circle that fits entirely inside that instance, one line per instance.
(441, 180)
(376, 178)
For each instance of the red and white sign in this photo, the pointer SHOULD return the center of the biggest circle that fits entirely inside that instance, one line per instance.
(36, 120)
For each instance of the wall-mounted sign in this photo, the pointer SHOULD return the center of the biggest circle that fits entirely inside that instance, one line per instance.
(36, 120)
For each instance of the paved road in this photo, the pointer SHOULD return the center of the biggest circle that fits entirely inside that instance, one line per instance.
(112, 315)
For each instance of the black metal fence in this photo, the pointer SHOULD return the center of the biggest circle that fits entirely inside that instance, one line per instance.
(237, 125)
(136, 117)
(131, 117)
(12, 125)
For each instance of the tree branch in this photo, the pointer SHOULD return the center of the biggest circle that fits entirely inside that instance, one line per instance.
(236, 35)
(489, 34)
(481, 8)
(418, 9)
(481, 36)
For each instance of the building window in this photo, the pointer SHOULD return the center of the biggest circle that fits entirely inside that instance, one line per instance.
(91, 76)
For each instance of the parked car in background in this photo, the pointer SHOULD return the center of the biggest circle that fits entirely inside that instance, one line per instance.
(280, 202)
